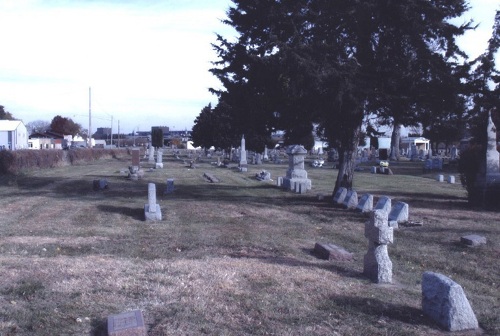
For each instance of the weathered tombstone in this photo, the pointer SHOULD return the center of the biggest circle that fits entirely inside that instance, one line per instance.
(265, 156)
(296, 171)
(279, 181)
(331, 251)
(258, 159)
(374, 169)
(136, 159)
(383, 203)
(351, 200)
(453, 153)
(377, 266)
(243, 166)
(152, 211)
(151, 154)
(127, 324)
(170, 186)
(263, 176)
(451, 179)
(445, 302)
(100, 184)
(440, 178)
(159, 159)
(399, 214)
(473, 240)
(340, 195)
(365, 203)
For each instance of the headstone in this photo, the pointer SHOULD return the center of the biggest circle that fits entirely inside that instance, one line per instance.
(377, 266)
(473, 240)
(398, 214)
(266, 156)
(263, 176)
(374, 169)
(451, 179)
(351, 200)
(211, 178)
(243, 166)
(296, 172)
(331, 252)
(279, 181)
(365, 203)
(136, 159)
(453, 153)
(340, 195)
(159, 159)
(383, 203)
(258, 159)
(445, 302)
(170, 186)
(127, 324)
(151, 154)
(440, 178)
(100, 184)
(152, 211)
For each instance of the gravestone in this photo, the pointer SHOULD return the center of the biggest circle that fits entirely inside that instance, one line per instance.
(100, 184)
(265, 156)
(351, 200)
(473, 240)
(340, 195)
(279, 181)
(152, 211)
(445, 302)
(331, 252)
(451, 179)
(136, 159)
(243, 166)
(159, 159)
(453, 153)
(263, 176)
(365, 203)
(383, 203)
(398, 214)
(151, 154)
(127, 324)
(170, 186)
(440, 178)
(376, 263)
(296, 172)
(486, 191)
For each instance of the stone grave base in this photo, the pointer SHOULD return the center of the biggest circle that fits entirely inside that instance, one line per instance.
(152, 216)
(289, 183)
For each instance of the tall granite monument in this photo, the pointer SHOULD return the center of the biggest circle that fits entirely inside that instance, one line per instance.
(243, 166)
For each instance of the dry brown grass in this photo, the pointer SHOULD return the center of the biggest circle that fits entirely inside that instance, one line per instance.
(232, 258)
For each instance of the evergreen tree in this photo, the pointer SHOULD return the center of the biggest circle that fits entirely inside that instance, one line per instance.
(335, 62)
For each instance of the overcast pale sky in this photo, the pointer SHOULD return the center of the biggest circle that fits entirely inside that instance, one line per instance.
(146, 61)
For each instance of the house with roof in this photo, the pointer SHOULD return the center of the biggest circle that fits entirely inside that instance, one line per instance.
(13, 135)
(49, 140)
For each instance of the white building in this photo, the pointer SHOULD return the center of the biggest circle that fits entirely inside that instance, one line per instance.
(13, 135)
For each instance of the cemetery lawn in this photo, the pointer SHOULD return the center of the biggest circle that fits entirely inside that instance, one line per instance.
(230, 258)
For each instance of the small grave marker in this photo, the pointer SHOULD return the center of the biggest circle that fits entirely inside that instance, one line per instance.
(100, 184)
(127, 324)
(398, 214)
(383, 203)
(351, 199)
(473, 240)
(331, 251)
(170, 186)
(365, 203)
(340, 195)
(152, 210)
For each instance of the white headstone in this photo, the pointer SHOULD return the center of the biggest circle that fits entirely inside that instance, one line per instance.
(340, 195)
(351, 200)
(365, 203)
(152, 210)
(383, 203)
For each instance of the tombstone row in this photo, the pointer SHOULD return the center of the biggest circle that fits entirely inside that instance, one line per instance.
(398, 212)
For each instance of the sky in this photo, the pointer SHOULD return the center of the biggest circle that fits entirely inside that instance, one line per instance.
(144, 62)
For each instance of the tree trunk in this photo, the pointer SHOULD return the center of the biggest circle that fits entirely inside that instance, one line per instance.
(395, 139)
(347, 156)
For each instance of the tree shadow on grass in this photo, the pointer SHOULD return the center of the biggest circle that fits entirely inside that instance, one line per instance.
(99, 327)
(134, 213)
(379, 308)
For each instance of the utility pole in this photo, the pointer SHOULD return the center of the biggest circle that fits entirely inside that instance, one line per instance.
(118, 133)
(90, 118)
(111, 141)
